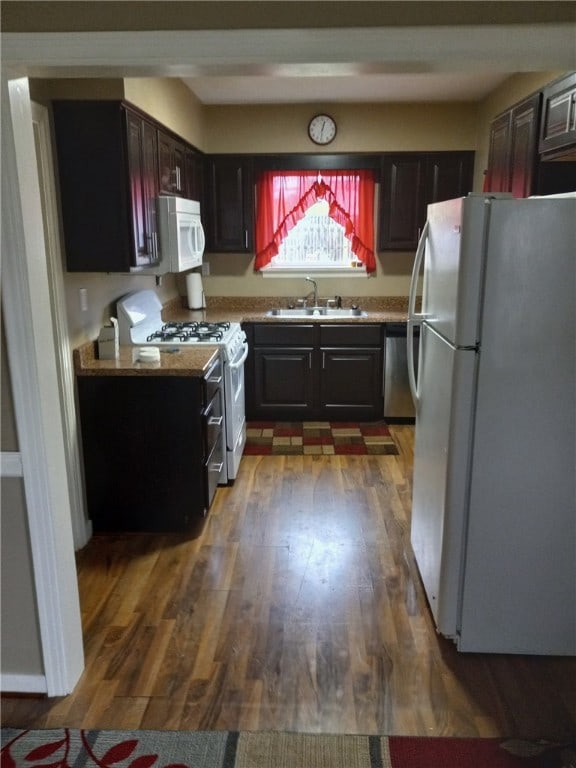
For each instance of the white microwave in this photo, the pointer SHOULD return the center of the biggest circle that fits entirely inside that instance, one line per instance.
(181, 235)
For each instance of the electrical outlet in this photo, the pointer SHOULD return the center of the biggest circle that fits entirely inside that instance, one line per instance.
(205, 268)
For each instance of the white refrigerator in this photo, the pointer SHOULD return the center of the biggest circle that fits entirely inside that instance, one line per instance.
(494, 505)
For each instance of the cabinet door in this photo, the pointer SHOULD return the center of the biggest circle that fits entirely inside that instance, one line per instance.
(448, 175)
(91, 139)
(150, 185)
(171, 155)
(123, 450)
(523, 147)
(230, 197)
(194, 174)
(143, 189)
(284, 382)
(498, 173)
(410, 181)
(351, 383)
(401, 202)
(558, 129)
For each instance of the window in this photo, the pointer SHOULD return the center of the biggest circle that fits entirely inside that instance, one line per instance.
(315, 221)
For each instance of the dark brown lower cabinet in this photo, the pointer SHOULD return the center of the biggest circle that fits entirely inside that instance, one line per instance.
(148, 452)
(350, 383)
(284, 381)
(314, 371)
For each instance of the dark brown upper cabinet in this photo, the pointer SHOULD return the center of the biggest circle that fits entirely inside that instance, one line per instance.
(229, 222)
(108, 178)
(410, 181)
(113, 163)
(514, 162)
(171, 165)
(512, 153)
(558, 126)
(194, 175)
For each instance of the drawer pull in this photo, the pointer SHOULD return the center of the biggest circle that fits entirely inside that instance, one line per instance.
(216, 467)
(215, 380)
(215, 421)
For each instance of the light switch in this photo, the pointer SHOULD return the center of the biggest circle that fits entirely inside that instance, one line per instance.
(83, 296)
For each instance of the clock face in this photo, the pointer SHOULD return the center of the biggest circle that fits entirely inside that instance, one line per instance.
(322, 129)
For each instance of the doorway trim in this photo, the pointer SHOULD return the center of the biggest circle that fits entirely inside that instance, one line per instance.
(27, 313)
(25, 283)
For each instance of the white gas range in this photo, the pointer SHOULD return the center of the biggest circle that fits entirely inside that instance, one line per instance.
(140, 323)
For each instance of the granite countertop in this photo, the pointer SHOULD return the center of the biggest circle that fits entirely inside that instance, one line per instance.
(187, 361)
(184, 361)
(252, 309)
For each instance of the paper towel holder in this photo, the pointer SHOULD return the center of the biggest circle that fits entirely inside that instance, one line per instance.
(195, 291)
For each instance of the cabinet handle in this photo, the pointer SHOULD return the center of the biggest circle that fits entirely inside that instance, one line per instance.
(215, 421)
(246, 239)
(215, 380)
(323, 360)
(216, 467)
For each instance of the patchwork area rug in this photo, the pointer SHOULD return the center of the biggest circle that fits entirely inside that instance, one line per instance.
(72, 748)
(318, 437)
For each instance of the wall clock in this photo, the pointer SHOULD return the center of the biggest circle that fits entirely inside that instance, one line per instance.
(322, 129)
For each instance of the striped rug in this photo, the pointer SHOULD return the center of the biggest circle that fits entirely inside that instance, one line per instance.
(69, 747)
(318, 437)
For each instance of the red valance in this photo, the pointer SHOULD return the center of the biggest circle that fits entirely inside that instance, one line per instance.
(283, 197)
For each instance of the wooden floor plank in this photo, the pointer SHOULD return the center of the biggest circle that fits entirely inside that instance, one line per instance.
(297, 605)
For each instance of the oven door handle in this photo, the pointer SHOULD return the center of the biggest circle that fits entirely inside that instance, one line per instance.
(238, 363)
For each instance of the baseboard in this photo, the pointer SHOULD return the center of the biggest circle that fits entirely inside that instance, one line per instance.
(23, 684)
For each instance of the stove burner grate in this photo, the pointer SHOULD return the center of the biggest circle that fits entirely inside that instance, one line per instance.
(190, 331)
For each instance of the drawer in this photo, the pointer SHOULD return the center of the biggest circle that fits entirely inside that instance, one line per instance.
(212, 469)
(213, 380)
(349, 335)
(284, 334)
(213, 422)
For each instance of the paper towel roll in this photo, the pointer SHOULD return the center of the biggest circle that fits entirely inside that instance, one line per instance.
(195, 291)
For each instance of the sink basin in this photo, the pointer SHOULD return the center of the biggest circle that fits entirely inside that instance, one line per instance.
(316, 312)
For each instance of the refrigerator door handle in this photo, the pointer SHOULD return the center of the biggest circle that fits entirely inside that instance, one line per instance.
(414, 318)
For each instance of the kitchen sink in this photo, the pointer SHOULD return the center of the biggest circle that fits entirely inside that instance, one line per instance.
(316, 312)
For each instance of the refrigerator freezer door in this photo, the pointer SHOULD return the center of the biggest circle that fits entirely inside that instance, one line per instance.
(520, 581)
(453, 268)
(441, 462)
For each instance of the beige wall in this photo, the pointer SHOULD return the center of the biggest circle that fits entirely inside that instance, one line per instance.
(282, 128)
(171, 103)
(361, 127)
(21, 650)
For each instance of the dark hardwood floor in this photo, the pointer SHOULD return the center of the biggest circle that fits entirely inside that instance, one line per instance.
(297, 607)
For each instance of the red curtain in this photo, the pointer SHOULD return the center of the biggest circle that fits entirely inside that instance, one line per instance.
(283, 198)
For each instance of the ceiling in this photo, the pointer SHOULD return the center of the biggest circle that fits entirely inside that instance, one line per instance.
(401, 87)
(295, 52)
(411, 64)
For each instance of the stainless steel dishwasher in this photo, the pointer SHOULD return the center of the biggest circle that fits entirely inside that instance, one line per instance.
(398, 403)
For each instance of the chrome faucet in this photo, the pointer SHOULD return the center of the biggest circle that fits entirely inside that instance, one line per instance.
(315, 291)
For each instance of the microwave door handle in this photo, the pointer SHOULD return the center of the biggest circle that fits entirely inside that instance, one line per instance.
(201, 238)
(189, 237)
